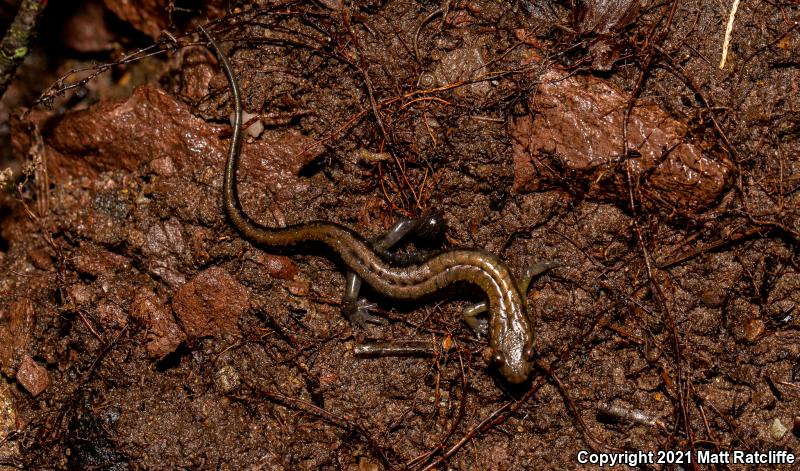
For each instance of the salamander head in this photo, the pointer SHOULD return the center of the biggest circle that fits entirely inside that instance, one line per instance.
(511, 341)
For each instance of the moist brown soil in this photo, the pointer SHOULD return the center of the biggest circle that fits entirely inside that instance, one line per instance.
(139, 330)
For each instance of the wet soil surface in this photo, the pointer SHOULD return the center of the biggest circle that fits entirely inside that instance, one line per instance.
(139, 330)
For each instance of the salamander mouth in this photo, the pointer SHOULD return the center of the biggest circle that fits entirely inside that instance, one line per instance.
(516, 375)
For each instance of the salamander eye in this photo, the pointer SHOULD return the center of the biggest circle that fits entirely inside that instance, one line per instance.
(498, 358)
(529, 353)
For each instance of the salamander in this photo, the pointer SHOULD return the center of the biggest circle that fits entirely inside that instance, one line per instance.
(510, 329)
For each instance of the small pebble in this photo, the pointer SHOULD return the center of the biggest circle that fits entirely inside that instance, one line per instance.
(777, 430)
(32, 376)
(163, 166)
(226, 379)
(753, 329)
(255, 129)
(279, 266)
(298, 287)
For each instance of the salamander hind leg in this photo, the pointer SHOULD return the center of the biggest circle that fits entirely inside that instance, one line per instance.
(428, 229)
(357, 310)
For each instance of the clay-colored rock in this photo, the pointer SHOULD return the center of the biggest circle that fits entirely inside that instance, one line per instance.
(152, 130)
(96, 261)
(575, 139)
(210, 303)
(9, 449)
(86, 30)
(278, 266)
(162, 332)
(32, 376)
(16, 323)
(151, 17)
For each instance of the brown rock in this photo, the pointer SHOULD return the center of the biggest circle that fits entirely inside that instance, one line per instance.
(163, 166)
(111, 315)
(164, 239)
(148, 16)
(602, 19)
(148, 125)
(576, 136)
(462, 65)
(275, 162)
(278, 266)
(753, 329)
(713, 297)
(164, 246)
(745, 320)
(32, 376)
(199, 70)
(9, 449)
(16, 324)
(153, 16)
(86, 30)
(298, 287)
(41, 259)
(163, 333)
(199, 243)
(151, 128)
(79, 294)
(210, 303)
(95, 261)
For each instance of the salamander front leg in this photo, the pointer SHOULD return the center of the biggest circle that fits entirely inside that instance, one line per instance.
(478, 325)
(481, 326)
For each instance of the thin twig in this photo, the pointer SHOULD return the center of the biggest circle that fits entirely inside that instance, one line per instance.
(14, 46)
(728, 31)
